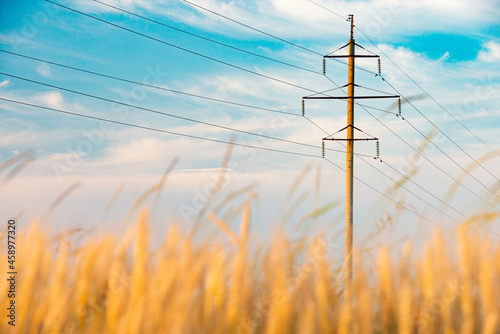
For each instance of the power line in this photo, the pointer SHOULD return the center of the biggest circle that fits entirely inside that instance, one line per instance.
(403, 187)
(392, 167)
(443, 202)
(155, 129)
(453, 160)
(181, 48)
(399, 184)
(429, 95)
(208, 57)
(392, 200)
(409, 179)
(167, 114)
(441, 150)
(331, 11)
(375, 108)
(451, 140)
(125, 28)
(169, 89)
(206, 139)
(169, 44)
(397, 171)
(430, 161)
(150, 86)
(269, 35)
(208, 39)
(419, 197)
(440, 200)
(439, 129)
(215, 125)
(254, 29)
(374, 90)
(419, 153)
(349, 217)
(416, 184)
(425, 92)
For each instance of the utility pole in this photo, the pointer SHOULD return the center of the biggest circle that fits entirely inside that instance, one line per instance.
(349, 223)
(349, 168)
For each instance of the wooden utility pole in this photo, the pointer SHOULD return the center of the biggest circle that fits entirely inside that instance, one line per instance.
(349, 223)
(349, 168)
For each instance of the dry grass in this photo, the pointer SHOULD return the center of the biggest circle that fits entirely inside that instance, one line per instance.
(106, 285)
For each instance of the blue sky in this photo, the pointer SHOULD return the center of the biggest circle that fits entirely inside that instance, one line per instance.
(450, 48)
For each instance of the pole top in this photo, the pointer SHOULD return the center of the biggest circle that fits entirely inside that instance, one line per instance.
(351, 19)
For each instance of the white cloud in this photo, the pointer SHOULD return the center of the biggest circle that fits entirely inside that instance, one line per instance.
(299, 19)
(490, 53)
(4, 83)
(15, 39)
(44, 70)
(445, 56)
(51, 99)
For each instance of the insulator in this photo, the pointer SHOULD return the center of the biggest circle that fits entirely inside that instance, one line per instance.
(399, 106)
(378, 150)
(379, 68)
(303, 108)
(324, 66)
(323, 148)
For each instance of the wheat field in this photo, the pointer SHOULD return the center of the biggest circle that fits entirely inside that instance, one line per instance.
(108, 284)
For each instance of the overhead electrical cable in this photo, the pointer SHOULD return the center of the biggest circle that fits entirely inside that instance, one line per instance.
(164, 113)
(266, 33)
(327, 9)
(392, 199)
(416, 184)
(211, 140)
(208, 39)
(423, 115)
(182, 48)
(153, 129)
(204, 55)
(449, 138)
(420, 153)
(429, 95)
(151, 86)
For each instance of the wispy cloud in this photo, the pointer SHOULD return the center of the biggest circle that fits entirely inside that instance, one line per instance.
(44, 70)
(4, 83)
(51, 99)
(297, 19)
